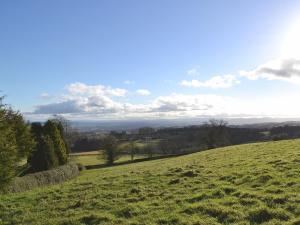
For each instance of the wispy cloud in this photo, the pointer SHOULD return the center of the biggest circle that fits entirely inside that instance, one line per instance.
(45, 95)
(143, 92)
(225, 81)
(193, 71)
(129, 82)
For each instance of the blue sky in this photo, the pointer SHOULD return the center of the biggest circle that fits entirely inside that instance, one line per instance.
(125, 59)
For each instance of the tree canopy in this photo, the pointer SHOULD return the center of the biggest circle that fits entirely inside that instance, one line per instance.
(16, 142)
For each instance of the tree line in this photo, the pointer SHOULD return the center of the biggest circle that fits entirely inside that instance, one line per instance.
(43, 146)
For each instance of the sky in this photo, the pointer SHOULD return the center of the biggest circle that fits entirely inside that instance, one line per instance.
(115, 59)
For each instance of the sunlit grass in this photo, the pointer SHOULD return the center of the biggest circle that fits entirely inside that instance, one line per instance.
(97, 158)
(246, 184)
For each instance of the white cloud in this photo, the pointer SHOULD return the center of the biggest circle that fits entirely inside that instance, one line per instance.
(81, 106)
(82, 101)
(90, 90)
(193, 71)
(82, 98)
(279, 69)
(143, 92)
(45, 95)
(225, 81)
(98, 101)
(129, 82)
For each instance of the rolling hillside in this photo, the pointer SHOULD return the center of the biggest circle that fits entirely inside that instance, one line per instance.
(246, 184)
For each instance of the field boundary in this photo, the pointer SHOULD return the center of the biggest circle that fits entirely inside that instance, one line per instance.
(44, 178)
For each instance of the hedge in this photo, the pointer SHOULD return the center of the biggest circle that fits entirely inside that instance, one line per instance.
(40, 179)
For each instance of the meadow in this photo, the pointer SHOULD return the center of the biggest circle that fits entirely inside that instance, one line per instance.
(246, 184)
(96, 158)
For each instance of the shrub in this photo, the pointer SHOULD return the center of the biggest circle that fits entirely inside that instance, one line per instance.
(40, 179)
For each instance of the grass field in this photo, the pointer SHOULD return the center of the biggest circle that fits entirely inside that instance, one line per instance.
(94, 158)
(246, 184)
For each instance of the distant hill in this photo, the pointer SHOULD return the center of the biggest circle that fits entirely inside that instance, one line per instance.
(269, 125)
(108, 125)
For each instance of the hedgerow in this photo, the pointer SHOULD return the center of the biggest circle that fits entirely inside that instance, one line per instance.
(40, 179)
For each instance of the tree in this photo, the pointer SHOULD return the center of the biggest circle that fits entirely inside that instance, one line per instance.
(50, 150)
(146, 131)
(51, 161)
(20, 130)
(164, 146)
(8, 152)
(66, 130)
(84, 143)
(149, 149)
(52, 129)
(44, 157)
(16, 142)
(111, 151)
(134, 149)
(216, 134)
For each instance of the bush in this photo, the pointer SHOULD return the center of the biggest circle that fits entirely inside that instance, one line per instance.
(40, 179)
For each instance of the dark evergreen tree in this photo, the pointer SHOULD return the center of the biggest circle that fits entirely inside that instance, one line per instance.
(44, 157)
(65, 129)
(8, 152)
(16, 142)
(51, 128)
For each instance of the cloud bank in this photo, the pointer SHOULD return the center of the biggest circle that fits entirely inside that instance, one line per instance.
(99, 101)
(84, 101)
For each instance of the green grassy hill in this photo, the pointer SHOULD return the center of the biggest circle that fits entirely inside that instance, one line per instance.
(246, 184)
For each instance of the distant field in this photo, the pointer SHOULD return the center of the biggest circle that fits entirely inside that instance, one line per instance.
(85, 153)
(246, 184)
(88, 159)
(96, 158)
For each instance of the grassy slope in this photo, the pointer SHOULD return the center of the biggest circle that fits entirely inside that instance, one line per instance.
(247, 184)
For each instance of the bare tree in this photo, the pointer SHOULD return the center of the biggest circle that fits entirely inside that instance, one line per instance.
(217, 133)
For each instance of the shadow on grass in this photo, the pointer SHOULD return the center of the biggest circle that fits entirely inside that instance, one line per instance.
(90, 167)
